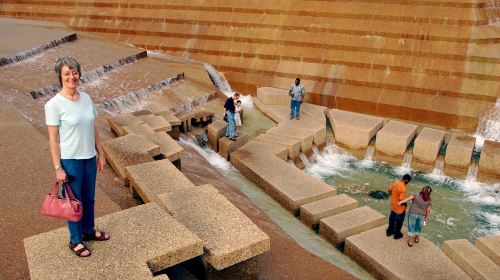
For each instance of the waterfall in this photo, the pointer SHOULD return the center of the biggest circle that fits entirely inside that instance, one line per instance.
(223, 85)
(438, 167)
(305, 160)
(370, 150)
(488, 127)
(291, 163)
(472, 172)
(316, 151)
(407, 160)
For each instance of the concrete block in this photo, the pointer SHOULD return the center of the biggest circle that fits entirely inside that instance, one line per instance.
(490, 246)
(353, 129)
(427, 144)
(185, 117)
(315, 112)
(305, 137)
(459, 152)
(118, 122)
(293, 146)
(393, 139)
(338, 227)
(306, 124)
(144, 240)
(227, 146)
(273, 96)
(174, 122)
(387, 258)
(151, 179)
(129, 150)
(277, 113)
(311, 213)
(489, 162)
(229, 236)
(215, 131)
(157, 123)
(470, 259)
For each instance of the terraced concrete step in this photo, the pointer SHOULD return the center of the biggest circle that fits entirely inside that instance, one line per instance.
(293, 146)
(338, 227)
(157, 123)
(144, 240)
(353, 129)
(312, 213)
(229, 237)
(288, 185)
(471, 260)
(215, 131)
(228, 146)
(490, 246)
(393, 139)
(305, 137)
(387, 258)
(306, 124)
(151, 179)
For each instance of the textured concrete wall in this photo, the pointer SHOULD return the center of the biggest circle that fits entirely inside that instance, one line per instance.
(426, 61)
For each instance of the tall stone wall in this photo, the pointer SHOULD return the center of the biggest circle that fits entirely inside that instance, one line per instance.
(428, 61)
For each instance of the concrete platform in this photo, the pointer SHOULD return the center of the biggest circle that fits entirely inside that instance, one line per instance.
(307, 124)
(305, 137)
(353, 129)
(316, 112)
(148, 180)
(489, 162)
(119, 121)
(273, 96)
(490, 246)
(256, 147)
(387, 258)
(293, 146)
(393, 139)
(215, 131)
(175, 123)
(128, 150)
(227, 146)
(471, 260)
(157, 123)
(427, 145)
(459, 152)
(311, 213)
(338, 227)
(229, 237)
(277, 113)
(144, 240)
(185, 117)
(278, 178)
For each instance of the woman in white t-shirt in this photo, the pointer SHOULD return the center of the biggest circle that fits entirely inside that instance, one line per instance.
(76, 149)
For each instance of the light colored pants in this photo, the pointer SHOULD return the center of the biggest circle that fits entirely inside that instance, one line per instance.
(230, 124)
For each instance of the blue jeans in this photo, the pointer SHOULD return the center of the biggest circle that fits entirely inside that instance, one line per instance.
(415, 222)
(82, 177)
(395, 224)
(230, 124)
(295, 108)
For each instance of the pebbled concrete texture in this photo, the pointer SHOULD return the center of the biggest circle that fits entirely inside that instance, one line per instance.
(353, 129)
(305, 137)
(118, 122)
(471, 260)
(490, 246)
(311, 213)
(292, 145)
(427, 144)
(229, 236)
(157, 123)
(306, 124)
(386, 258)
(144, 240)
(227, 146)
(215, 131)
(393, 139)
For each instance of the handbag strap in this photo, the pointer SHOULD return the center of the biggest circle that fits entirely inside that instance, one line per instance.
(67, 189)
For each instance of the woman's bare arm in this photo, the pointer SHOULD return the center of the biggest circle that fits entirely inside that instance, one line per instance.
(411, 197)
(101, 159)
(55, 152)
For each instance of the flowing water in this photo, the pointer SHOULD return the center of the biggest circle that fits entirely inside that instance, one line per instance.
(488, 127)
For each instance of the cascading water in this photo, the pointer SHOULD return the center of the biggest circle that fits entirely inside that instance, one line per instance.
(370, 150)
(438, 167)
(488, 127)
(305, 160)
(223, 85)
(472, 172)
(406, 164)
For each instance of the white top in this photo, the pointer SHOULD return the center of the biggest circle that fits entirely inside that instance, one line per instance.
(76, 125)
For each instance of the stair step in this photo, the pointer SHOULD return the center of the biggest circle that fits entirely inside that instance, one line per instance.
(311, 213)
(490, 246)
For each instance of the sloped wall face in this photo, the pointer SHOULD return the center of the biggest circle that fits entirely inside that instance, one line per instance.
(429, 61)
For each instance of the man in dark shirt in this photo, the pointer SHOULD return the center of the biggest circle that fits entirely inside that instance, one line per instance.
(230, 108)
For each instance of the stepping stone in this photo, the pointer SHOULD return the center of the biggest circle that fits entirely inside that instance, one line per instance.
(427, 145)
(118, 122)
(305, 137)
(175, 123)
(470, 259)
(273, 96)
(227, 146)
(144, 240)
(293, 146)
(169, 148)
(459, 152)
(490, 159)
(129, 150)
(185, 117)
(353, 129)
(387, 258)
(285, 183)
(229, 237)
(148, 180)
(254, 148)
(338, 227)
(215, 131)
(311, 213)
(393, 139)
(308, 125)
(490, 246)
(157, 123)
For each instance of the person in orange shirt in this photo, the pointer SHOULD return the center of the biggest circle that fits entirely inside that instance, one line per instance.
(397, 191)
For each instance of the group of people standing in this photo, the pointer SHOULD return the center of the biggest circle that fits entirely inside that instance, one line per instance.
(232, 111)
(419, 212)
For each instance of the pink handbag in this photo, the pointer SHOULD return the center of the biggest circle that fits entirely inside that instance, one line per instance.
(68, 208)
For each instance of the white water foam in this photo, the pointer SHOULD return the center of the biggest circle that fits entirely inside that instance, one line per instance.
(210, 155)
(488, 127)
(223, 85)
(333, 160)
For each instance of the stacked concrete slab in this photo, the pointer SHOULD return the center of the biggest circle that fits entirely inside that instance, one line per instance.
(459, 153)
(489, 162)
(227, 146)
(427, 145)
(292, 145)
(393, 139)
(312, 213)
(215, 131)
(353, 129)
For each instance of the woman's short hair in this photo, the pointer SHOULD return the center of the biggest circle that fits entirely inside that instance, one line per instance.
(68, 61)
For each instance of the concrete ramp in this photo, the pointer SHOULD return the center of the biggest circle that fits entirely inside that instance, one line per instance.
(144, 240)
(387, 258)
(229, 237)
